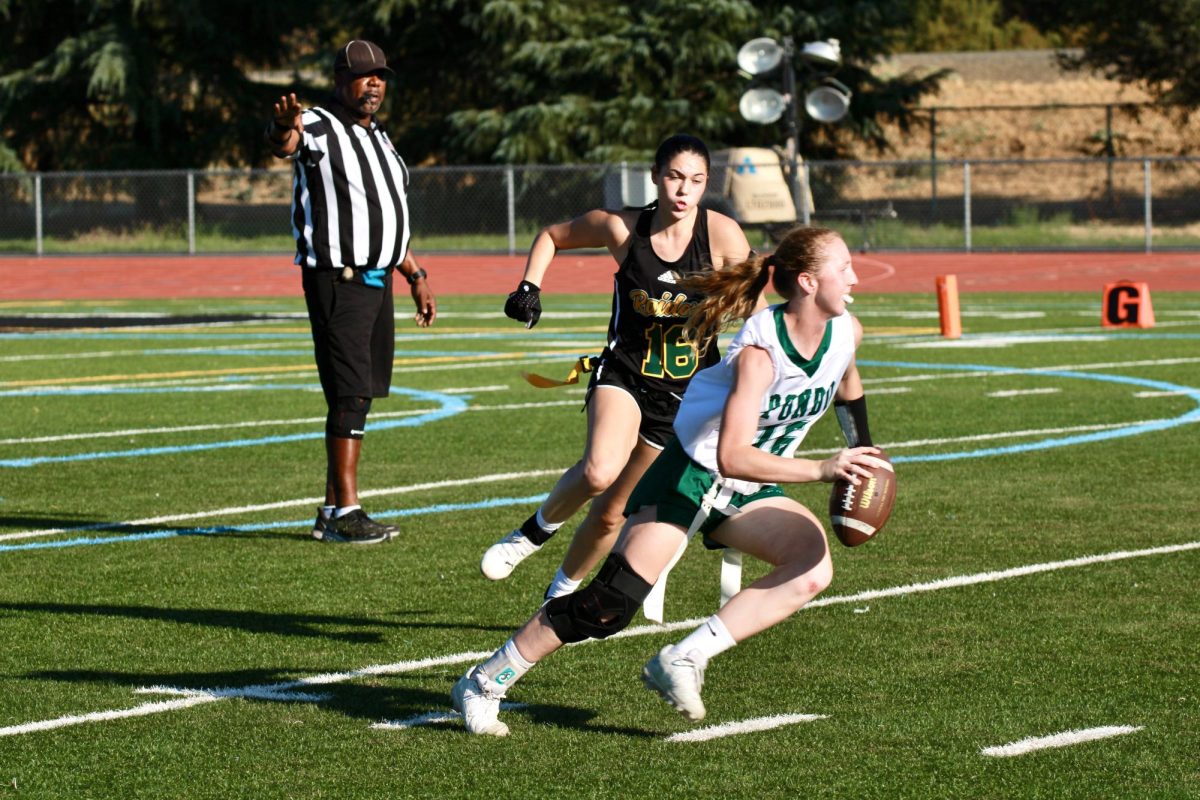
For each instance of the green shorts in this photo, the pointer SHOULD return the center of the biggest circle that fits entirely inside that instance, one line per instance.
(675, 485)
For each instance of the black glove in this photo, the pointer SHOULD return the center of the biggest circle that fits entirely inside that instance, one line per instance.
(525, 304)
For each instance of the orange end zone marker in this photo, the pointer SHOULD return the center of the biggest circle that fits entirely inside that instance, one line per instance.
(951, 319)
(1127, 305)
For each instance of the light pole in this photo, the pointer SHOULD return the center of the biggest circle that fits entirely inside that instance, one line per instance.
(828, 102)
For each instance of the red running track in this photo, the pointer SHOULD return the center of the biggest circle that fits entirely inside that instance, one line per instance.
(123, 277)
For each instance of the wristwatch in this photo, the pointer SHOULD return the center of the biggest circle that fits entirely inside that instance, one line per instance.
(417, 274)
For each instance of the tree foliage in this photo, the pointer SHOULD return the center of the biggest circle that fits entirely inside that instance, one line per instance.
(969, 25)
(96, 84)
(1150, 43)
(121, 84)
(596, 81)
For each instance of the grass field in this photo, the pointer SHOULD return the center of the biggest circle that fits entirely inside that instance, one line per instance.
(170, 629)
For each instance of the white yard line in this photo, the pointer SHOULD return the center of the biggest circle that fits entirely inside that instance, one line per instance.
(743, 726)
(1064, 739)
(984, 437)
(303, 501)
(306, 501)
(284, 688)
(432, 718)
(263, 423)
(313, 420)
(1142, 395)
(1022, 392)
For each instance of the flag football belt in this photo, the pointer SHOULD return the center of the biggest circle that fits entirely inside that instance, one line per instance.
(584, 365)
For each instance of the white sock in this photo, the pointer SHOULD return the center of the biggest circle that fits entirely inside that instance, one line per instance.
(505, 667)
(561, 585)
(327, 511)
(549, 527)
(710, 639)
(344, 510)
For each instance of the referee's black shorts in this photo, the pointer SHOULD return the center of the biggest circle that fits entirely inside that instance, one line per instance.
(354, 334)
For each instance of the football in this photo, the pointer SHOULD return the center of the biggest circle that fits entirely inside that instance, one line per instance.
(858, 513)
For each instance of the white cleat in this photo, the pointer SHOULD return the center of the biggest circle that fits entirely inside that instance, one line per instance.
(678, 680)
(480, 708)
(502, 558)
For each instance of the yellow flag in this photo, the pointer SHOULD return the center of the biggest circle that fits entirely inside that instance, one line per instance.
(584, 365)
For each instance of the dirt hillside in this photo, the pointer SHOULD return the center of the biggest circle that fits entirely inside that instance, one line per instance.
(1033, 78)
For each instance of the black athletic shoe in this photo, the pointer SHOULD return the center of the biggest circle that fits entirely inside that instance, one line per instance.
(357, 528)
(318, 531)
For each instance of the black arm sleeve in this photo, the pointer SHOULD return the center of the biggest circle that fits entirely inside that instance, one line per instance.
(852, 416)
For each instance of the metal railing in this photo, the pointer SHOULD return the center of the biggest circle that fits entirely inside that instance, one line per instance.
(976, 204)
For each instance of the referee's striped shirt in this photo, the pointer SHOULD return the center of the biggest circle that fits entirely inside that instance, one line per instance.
(349, 195)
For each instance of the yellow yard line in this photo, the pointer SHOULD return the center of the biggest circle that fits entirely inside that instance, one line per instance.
(191, 373)
(196, 373)
(899, 331)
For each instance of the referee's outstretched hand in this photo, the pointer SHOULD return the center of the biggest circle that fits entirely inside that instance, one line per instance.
(525, 304)
(287, 111)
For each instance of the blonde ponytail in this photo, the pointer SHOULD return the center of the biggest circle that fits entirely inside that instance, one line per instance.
(732, 293)
(729, 295)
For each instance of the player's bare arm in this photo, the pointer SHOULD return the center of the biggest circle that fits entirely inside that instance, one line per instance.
(595, 229)
(726, 240)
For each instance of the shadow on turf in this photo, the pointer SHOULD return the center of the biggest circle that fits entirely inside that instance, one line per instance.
(369, 702)
(306, 625)
(570, 718)
(49, 522)
(85, 527)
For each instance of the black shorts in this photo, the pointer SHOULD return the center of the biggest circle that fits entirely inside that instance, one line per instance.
(354, 334)
(658, 407)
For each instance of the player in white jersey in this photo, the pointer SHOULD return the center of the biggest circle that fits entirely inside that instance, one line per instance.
(801, 390)
(736, 436)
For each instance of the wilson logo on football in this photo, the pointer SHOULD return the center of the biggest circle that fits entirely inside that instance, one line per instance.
(857, 513)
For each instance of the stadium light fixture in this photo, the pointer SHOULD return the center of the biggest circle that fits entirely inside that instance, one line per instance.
(828, 102)
(762, 105)
(760, 56)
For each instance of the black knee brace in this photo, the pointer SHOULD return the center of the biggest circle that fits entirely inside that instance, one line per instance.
(603, 607)
(348, 417)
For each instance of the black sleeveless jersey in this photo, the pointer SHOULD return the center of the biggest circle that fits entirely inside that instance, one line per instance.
(649, 308)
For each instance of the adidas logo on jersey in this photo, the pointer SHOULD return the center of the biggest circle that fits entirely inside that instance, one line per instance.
(668, 277)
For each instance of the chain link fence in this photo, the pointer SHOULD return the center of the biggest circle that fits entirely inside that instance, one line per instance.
(979, 204)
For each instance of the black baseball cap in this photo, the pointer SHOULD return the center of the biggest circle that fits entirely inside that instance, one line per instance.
(359, 57)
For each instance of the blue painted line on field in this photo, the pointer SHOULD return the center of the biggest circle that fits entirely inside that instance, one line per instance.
(1099, 337)
(1064, 441)
(441, 508)
(450, 405)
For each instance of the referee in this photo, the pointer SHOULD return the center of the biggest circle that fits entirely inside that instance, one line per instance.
(350, 220)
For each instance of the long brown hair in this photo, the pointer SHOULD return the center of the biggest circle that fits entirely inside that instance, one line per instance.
(730, 294)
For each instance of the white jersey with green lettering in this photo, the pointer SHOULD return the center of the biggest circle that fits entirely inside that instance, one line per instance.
(803, 388)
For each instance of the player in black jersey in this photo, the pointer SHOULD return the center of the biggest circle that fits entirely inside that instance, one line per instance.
(646, 364)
